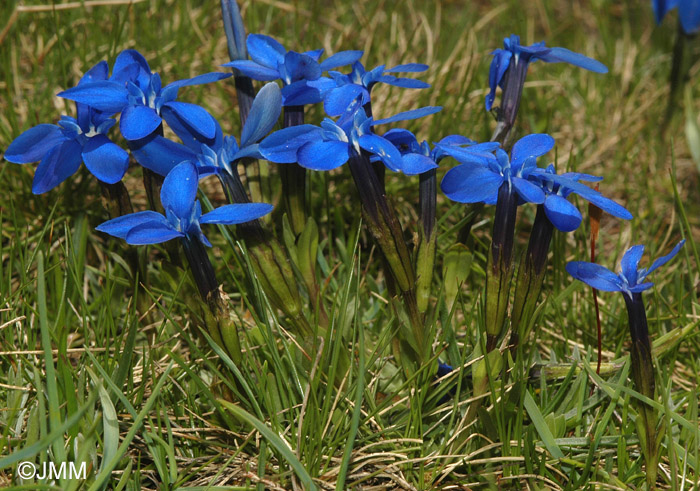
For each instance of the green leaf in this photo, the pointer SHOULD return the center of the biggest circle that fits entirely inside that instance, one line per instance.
(541, 426)
(274, 439)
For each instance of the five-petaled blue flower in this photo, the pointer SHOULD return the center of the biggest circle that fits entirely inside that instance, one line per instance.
(332, 145)
(183, 213)
(213, 156)
(513, 53)
(688, 12)
(271, 61)
(629, 280)
(563, 214)
(359, 83)
(143, 102)
(482, 173)
(61, 148)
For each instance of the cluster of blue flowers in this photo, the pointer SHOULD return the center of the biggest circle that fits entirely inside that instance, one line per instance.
(486, 173)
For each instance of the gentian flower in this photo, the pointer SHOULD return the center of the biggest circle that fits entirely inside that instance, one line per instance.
(215, 155)
(332, 144)
(61, 148)
(271, 61)
(688, 12)
(562, 213)
(183, 213)
(359, 83)
(144, 103)
(631, 281)
(482, 173)
(516, 55)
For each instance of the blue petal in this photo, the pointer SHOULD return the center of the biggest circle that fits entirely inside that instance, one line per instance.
(315, 54)
(194, 116)
(689, 13)
(661, 7)
(282, 146)
(593, 196)
(401, 138)
(323, 155)
(468, 155)
(471, 184)
(180, 189)
(124, 64)
(530, 146)
(236, 213)
(641, 287)
(304, 92)
(405, 83)
(499, 65)
(252, 151)
(341, 59)
(663, 260)
(630, 263)
(34, 143)
(265, 50)
(107, 96)
(528, 191)
(204, 78)
(339, 99)
(263, 115)
(160, 154)
(459, 140)
(254, 70)
(412, 114)
(105, 160)
(190, 135)
(563, 215)
(384, 149)
(595, 275)
(299, 66)
(120, 226)
(98, 72)
(138, 122)
(152, 233)
(557, 55)
(416, 163)
(408, 68)
(58, 164)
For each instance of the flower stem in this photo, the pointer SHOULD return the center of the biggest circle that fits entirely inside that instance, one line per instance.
(294, 178)
(679, 72)
(530, 278)
(426, 250)
(643, 377)
(387, 232)
(499, 270)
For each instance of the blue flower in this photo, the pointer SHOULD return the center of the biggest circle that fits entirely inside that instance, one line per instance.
(514, 53)
(359, 83)
(564, 215)
(143, 102)
(215, 155)
(183, 213)
(61, 148)
(482, 172)
(629, 280)
(688, 12)
(332, 144)
(271, 61)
